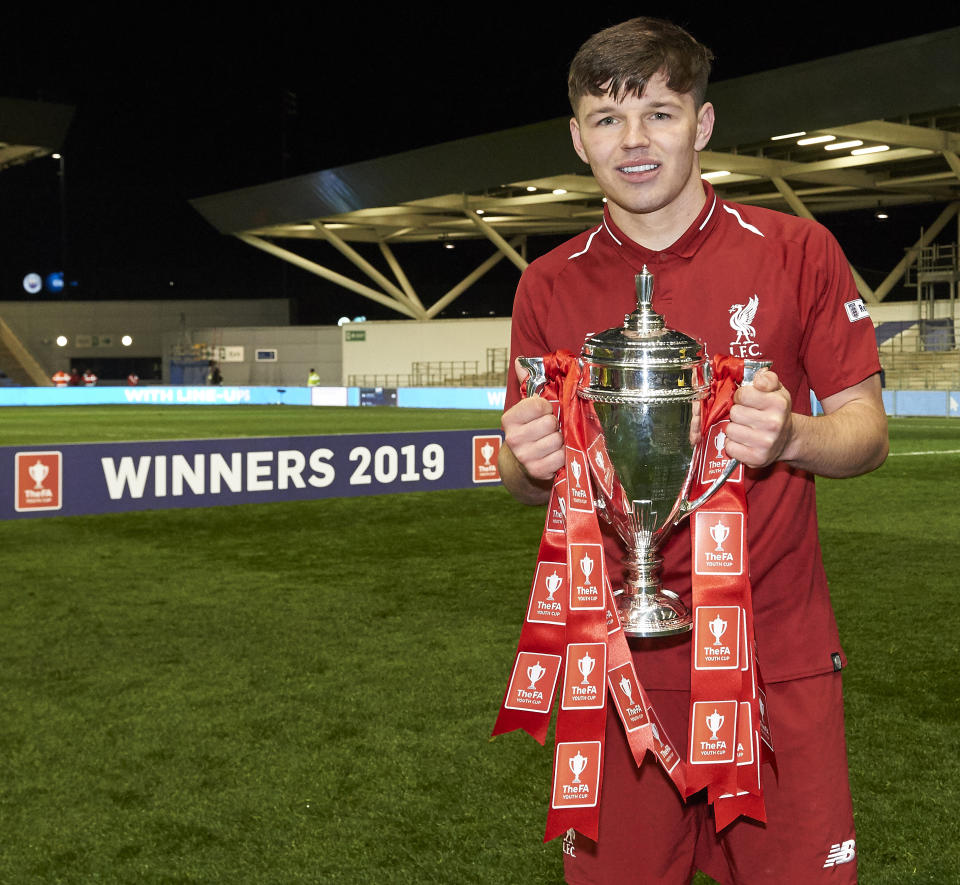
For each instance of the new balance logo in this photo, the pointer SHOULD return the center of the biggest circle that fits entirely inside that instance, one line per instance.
(841, 852)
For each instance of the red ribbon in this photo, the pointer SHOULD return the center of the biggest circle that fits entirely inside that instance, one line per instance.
(729, 736)
(571, 636)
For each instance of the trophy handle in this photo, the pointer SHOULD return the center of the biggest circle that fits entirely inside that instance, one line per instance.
(750, 370)
(537, 377)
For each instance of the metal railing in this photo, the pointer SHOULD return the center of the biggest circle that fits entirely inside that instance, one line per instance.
(434, 373)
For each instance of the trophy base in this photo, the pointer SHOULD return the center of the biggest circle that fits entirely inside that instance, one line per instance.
(648, 615)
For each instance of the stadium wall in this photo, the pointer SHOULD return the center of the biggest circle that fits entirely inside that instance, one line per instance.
(903, 311)
(94, 329)
(390, 347)
(273, 355)
(379, 350)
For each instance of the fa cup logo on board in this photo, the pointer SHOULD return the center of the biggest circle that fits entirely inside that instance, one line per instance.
(38, 478)
(38, 473)
(741, 321)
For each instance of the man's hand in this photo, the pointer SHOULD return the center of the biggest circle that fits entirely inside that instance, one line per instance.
(761, 423)
(533, 448)
(850, 437)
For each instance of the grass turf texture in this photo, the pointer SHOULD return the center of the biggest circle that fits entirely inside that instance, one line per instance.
(32, 425)
(304, 692)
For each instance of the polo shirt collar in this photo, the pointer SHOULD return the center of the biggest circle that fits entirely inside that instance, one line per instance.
(684, 247)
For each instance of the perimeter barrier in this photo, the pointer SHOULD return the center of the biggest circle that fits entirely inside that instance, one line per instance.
(898, 403)
(85, 478)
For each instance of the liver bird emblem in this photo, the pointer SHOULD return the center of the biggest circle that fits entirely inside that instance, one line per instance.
(741, 320)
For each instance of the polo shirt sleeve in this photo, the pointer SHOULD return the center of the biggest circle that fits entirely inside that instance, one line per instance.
(527, 337)
(839, 345)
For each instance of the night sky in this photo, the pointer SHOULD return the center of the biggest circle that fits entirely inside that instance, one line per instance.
(182, 106)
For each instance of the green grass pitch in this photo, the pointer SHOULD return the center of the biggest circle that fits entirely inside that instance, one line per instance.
(286, 693)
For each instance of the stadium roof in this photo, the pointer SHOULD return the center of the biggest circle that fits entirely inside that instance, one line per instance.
(30, 129)
(887, 119)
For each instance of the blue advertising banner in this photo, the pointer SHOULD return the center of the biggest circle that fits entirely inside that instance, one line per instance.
(76, 479)
(154, 396)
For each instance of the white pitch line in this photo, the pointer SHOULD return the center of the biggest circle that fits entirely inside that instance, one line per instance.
(932, 452)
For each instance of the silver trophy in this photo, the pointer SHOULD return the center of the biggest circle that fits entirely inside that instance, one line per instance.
(645, 383)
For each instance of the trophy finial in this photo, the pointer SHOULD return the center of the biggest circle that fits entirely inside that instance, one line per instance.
(644, 284)
(644, 320)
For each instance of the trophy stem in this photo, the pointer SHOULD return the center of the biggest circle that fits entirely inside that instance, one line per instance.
(646, 608)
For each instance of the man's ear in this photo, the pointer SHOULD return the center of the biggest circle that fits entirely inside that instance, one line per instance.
(577, 140)
(705, 121)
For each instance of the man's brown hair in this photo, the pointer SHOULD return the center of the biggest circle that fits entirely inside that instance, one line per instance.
(620, 60)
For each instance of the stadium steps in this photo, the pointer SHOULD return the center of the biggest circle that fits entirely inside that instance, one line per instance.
(17, 362)
(921, 371)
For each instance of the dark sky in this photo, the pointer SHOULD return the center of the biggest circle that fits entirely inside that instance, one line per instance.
(185, 105)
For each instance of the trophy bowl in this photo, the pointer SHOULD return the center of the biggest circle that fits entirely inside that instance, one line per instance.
(644, 384)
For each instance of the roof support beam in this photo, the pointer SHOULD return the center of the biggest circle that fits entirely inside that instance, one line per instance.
(362, 264)
(471, 278)
(497, 240)
(954, 162)
(828, 172)
(901, 134)
(401, 276)
(910, 258)
(327, 274)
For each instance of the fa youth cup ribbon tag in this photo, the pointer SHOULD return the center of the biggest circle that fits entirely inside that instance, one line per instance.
(715, 458)
(576, 775)
(533, 682)
(549, 589)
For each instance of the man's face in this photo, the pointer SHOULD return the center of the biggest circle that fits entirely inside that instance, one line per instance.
(643, 150)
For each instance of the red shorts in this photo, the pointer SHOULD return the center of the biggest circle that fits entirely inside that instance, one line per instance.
(647, 834)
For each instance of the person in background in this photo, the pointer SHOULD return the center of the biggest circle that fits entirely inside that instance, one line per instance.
(313, 379)
(89, 378)
(213, 375)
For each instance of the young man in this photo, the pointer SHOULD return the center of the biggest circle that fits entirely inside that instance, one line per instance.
(640, 120)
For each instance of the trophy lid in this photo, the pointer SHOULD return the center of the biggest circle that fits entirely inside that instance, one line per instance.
(644, 335)
(644, 357)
